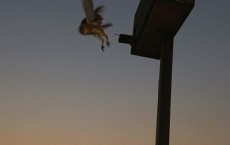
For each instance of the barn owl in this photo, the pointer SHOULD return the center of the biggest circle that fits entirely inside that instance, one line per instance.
(92, 24)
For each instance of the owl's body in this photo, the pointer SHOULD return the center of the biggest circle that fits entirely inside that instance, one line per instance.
(92, 24)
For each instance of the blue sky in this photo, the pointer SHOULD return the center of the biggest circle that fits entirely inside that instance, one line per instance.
(58, 87)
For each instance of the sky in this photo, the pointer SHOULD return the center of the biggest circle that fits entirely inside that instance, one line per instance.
(58, 87)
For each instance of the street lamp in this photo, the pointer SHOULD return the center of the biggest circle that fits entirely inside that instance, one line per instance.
(156, 23)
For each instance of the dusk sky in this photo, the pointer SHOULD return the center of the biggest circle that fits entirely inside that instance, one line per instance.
(58, 87)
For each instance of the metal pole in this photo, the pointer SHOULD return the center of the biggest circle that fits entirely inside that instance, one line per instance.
(164, 94)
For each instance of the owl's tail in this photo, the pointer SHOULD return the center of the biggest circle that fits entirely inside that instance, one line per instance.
(106, 25)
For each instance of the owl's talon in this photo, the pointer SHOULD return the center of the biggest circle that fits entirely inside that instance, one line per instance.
(102, 48)
(108, 43)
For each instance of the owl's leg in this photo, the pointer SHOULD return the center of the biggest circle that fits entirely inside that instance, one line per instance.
(102, 41)
(102, 34)
(107, 39)
(105, 35)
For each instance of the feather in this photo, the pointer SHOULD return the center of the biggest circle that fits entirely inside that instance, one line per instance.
(88, 8)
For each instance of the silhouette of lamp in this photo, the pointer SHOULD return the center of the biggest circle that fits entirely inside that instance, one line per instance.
(156, 23)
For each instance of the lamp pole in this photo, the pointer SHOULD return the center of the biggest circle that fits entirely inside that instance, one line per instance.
(155, 26)
(164, 93)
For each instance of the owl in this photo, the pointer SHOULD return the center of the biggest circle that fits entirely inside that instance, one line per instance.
(92, 23)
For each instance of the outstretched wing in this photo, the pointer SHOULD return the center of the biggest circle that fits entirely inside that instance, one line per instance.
(88, 8)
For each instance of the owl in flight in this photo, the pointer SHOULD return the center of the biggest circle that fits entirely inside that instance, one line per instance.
(92, 24)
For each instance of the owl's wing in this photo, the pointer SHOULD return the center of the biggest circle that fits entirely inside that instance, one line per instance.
(88, 8)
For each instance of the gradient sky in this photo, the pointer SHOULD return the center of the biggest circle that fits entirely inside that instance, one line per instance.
(58, 88)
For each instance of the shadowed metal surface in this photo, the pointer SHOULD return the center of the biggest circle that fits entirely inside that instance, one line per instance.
(155, 21)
